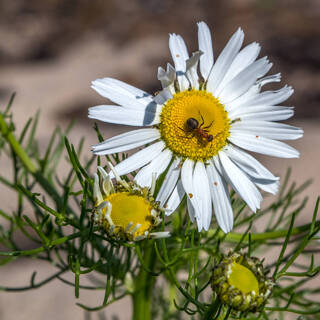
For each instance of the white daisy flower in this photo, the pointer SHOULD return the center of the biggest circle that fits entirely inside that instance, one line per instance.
(199, 125)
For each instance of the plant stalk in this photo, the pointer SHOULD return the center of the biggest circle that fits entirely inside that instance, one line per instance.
(143, 285)
(235, 237)
(15, 145)
(27, 162)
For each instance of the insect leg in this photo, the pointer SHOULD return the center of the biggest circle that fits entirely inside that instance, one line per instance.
(207, 127)
(201, 119)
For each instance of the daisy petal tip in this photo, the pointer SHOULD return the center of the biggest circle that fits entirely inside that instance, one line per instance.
(94, 86)
(91, 109)
(294, 154)
(225, 228)
(160, 71)
(168, 212)
(299, 135)
(200, 227)
(240, 31)
(95, 83)
(228, 226)
(98, 153)
(258, 206)
(274, 192)
(202, 24)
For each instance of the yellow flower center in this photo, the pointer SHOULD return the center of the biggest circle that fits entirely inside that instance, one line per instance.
(243, 279)
(200, 139)
(129, 209)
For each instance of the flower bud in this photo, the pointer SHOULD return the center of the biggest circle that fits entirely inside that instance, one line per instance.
(240, 282)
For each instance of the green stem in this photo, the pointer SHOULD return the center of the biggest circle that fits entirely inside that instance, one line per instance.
(172, 297)
(53, 243)
(28, 163)
(34, 285)
(143, 284)
(15, 145)
(173, 278)
(306, 312)
(235, 237)
(210, 314)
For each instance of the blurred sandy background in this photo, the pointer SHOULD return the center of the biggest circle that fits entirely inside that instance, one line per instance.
(50, 50)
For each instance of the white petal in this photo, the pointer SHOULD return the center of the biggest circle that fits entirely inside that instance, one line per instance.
(120, 115)
(253, 92)
(240, 182)
(205, 45)
(220, 199)
(163, 96)
(169, 182)
(257, 173)
(272, 97)
(187, 182)
(269, 79)
(244, 159)
(107, 185)
(244, 80)
(126, 141)
(267, 113)
(166, 77)
(215, 160)
(241, 101)
(178, 51)
(122, 93)
(243, 59)
(157, 166)
(266, 186)
(191, 211)
(139, 159)
(202, 194)
(268, 98)
(255, 89)
(97, 196)
(175, 198)
(179, 55)
(271, 130)
(263, 145)
(224, 61)
(192, 69)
